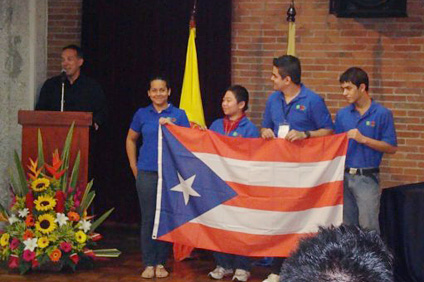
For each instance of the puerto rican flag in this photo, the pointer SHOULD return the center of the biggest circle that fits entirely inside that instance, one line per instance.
(246, 196)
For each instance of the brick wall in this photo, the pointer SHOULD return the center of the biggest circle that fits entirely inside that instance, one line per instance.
(64, 28)
(390, 50)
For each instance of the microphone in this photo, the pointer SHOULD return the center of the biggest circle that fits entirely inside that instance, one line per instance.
(63, 76)
(62, 98)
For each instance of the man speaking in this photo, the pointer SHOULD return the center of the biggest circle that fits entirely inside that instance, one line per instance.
(79, 92)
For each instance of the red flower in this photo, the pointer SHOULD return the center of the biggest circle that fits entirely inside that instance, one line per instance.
(28, 255)
(73, 216)
(28, 234)
(30, 221)
(57, 163)
(66, 247)
(13, 261)
(75, 258)
(29, 201)
(96, 237)
(14, 244)
(35, 263)
(55, 255)
(60, 201)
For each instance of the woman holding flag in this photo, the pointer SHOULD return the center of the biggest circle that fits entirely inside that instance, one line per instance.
(145, 123)
(234, 124)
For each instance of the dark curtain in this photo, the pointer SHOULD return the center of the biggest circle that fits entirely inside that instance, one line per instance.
(402, 227)
(127, 42)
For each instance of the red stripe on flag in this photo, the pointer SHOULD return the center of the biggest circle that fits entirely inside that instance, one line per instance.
(234, 242)
(258, 149)
(286, 199)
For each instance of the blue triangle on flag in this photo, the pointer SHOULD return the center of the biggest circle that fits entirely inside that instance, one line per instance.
(212, 189)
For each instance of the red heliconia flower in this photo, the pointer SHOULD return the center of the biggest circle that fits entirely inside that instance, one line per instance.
(54, 169)
(13, 261)
(29, 201)
(60, 202)
(89, 253)
(75, 258)
(96, 237)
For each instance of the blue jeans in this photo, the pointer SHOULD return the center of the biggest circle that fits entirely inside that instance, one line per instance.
(153, 252)
(229, 261)
(362, 195)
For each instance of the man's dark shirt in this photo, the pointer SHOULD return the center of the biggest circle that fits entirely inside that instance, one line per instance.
(85, 95)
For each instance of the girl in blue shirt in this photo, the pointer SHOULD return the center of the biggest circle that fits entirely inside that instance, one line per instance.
(145, 123)
(234, 124)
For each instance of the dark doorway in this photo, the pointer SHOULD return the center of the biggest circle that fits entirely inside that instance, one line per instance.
(127, 42)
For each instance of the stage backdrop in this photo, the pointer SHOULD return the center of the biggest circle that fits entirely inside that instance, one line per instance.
(125, 43)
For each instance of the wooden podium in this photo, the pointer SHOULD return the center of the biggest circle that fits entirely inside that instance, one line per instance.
(54, 127)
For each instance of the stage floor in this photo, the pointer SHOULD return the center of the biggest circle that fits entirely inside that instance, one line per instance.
(128, 266)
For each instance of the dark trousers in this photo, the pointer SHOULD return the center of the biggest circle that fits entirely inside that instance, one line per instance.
(229, 261)
(154, 252)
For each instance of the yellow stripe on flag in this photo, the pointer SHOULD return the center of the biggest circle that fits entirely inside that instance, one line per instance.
(291, 47)
(191, 100)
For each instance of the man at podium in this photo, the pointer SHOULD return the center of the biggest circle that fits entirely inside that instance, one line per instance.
(73, 91)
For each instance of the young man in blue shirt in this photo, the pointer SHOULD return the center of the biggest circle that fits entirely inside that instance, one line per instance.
(293, 112)
(371, 132)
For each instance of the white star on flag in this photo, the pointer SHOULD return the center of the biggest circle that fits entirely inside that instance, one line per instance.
(186, 188)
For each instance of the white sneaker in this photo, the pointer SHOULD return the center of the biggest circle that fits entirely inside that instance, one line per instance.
(272, 278)
(241, 275)
(219, 272)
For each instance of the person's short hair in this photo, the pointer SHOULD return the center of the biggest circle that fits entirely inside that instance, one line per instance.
(241, 94)
(289, 66)
(355, 75)
(340, 254)
(77, 49)
(159, 77)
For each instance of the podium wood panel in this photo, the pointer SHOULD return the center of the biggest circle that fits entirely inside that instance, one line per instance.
(54, 128)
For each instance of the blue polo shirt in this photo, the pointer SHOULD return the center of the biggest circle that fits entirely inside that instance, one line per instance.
(377, 123)
(245, 128)
(146, 122)
(307, 111)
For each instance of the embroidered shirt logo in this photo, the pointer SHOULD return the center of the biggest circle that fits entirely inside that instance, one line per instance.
(300, 107)
(370, 123)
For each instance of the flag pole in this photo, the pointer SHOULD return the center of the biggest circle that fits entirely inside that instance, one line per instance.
(291, 18)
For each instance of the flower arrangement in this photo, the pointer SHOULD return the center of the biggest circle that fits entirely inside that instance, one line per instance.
(47, 225)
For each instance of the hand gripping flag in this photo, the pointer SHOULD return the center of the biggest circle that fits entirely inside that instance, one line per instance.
(246, 196)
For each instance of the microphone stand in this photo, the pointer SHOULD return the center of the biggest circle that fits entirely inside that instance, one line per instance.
(62, 100)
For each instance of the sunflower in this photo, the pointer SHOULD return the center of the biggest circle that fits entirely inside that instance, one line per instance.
(45, 203)
(80, 237)
(43, 242)
(40, 184)
(4, 241)
(45, 224)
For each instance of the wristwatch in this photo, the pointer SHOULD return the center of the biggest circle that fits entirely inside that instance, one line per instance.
(307, 133)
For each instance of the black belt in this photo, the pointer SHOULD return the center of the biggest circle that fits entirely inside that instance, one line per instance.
(361, 171)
